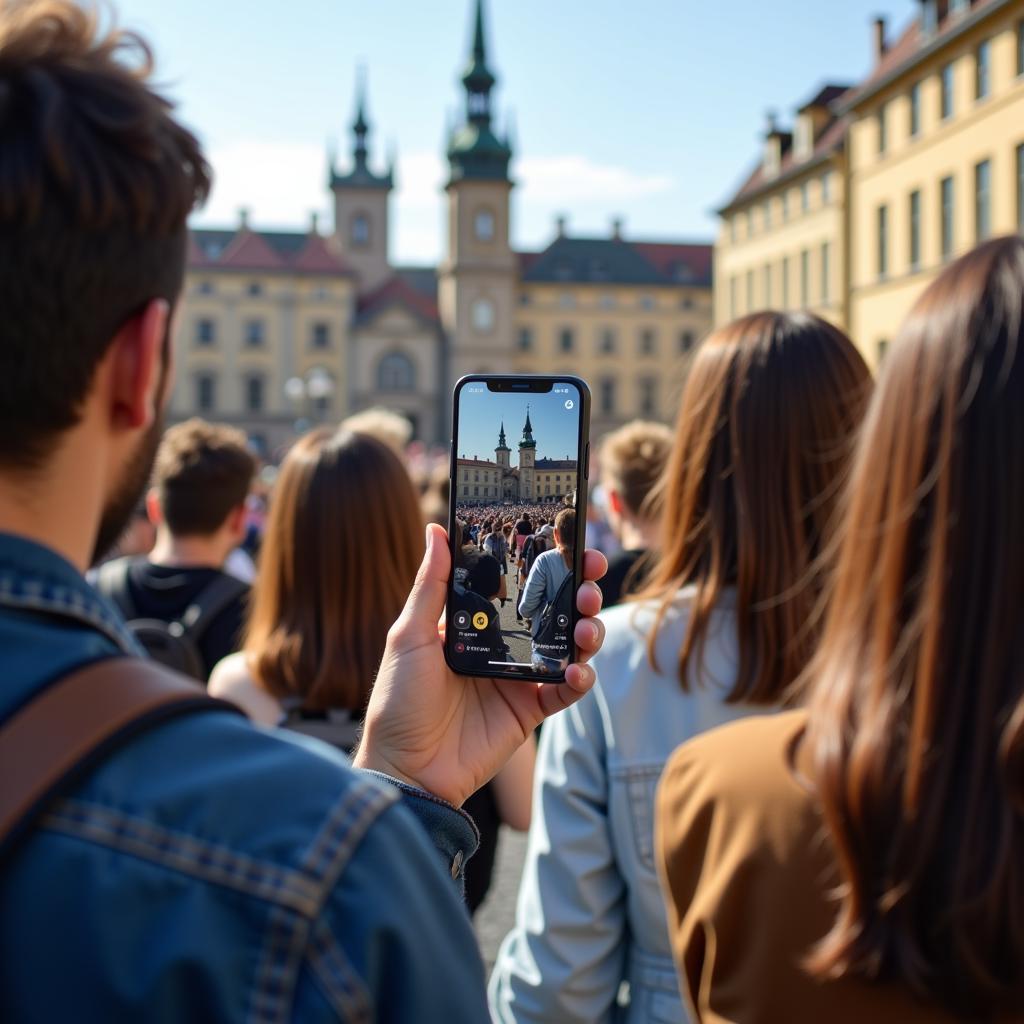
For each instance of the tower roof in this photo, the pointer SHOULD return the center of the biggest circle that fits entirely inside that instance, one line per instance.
(527, 441)
(502, 446)
(474, 150)
(361, 175)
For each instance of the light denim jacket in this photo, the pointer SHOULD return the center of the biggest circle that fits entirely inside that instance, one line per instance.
(212, 871)
(546, 576)
(590, 913)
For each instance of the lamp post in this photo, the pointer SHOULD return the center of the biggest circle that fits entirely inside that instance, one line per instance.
(308, 394)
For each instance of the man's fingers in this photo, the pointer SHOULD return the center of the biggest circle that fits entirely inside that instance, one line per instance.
(589, 636)
(555, 697)
(425, 605)
(595, 565)
(589, 599)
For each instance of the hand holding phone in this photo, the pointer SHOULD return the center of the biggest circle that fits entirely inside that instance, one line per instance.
(518, 476)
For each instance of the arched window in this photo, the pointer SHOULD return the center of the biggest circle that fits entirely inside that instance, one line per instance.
(483, 225)
(360, 229)
(396, 372)
(483, 316)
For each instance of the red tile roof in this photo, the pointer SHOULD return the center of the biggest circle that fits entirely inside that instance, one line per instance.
(249, 251)
(396, 291)
(318, 258)
(679, 261)
(245, 249)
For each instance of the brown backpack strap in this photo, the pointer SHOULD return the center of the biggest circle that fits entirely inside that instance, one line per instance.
(75, 722)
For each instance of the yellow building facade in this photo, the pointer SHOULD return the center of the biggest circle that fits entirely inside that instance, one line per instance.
(281, 330)
(924, 159)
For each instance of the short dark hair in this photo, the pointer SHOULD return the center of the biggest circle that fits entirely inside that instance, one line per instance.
(202, 472)
(96, 182)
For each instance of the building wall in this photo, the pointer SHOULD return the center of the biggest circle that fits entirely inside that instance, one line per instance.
(757, 254)
(631, 380)
(368, 257)
(987, 129)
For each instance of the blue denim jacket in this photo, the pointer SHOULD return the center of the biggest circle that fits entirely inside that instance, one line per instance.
(590, 914)
(213, 871)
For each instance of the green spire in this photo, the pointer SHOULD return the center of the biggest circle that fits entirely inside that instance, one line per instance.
(361, 175)
(502, 446)
(474, 150)
(528, 441)
(360, 127)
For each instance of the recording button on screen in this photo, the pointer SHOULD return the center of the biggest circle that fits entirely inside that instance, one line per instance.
(480, 620)
(461, 620)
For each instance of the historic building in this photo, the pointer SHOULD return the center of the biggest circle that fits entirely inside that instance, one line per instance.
(903, 172)
(482, 482)
(279, 329)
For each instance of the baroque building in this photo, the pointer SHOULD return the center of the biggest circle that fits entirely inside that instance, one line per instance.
(884, 181)
(537, 481)
(282, 329)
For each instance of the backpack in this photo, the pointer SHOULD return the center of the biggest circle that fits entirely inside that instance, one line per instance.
(338, 726)
(496, 546)
(551, 639)
(174, 644)
(535, 547)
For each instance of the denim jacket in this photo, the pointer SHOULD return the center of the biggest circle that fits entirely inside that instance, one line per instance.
(213, 871)
(590, 913)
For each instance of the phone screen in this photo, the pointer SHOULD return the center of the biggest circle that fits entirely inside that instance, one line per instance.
(518, 478)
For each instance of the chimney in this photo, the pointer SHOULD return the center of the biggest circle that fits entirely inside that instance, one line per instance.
(243, 218)
(314, 223)
(617, 229)
(878, 34)
(560, 225)
(771, 122)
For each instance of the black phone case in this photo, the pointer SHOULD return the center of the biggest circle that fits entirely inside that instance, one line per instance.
(582, 490)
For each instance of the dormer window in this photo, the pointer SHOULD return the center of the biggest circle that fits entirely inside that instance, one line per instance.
(803, 143)
(929, 17)
(772, 155)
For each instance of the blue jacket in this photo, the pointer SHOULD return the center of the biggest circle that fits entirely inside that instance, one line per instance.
(546, 575)
(213, 871)
(590, 913)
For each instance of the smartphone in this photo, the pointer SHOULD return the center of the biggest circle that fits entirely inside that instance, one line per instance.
(520, 454)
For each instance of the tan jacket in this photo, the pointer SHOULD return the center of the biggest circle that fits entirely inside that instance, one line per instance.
(746, 873)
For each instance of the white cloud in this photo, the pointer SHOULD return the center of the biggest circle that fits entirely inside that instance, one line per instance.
(281, 183)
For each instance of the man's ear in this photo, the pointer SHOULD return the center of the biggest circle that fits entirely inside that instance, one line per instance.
(136, 366)
(615, 502)
(153, 509)
(236, 522)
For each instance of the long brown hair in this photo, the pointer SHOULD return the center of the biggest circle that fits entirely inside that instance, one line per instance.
(565, 526)
(343, 541)
(761, 444)
(916, 729)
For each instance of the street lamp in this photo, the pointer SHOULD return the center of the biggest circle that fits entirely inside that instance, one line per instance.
(309, 394)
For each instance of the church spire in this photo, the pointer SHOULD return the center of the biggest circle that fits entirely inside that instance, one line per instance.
(502, 446)
(360, 127)
(528, 441)
(361, 175)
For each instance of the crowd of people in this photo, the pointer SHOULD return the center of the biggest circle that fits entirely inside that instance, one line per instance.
(783, 780)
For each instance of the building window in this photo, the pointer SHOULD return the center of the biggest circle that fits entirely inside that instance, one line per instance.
(750, 291)
(767, 214)
(483, 225)
(606, 341)
(206, 332)
(255, 289)
(882, 347)
(785, 205)
(687, 302)
(805, 278)
(607, 392)
(359, 230)
(767, 275)
(206, 288)
(826, 272)
(206, 393)
(883, 129)
(826, 188)
(948, 240)
(320, 293)
(946, 92)
(254, 390)
(785, 282)
(1020, 188)
(733, 289)
(525, 339)
(732, 229)
(1020, 47)
(321, 336)
(915, 230)
(524, 299)
(254, 333)
(607, 301)
(566, 340)
(647, 302)
(686, 341)
(648, 396)
(882, 222)
(805, 197)
(982, 200)
(915, 109)
(983, 70)
(566, 300)
(396, 372)
(648, 342)
(482, 313)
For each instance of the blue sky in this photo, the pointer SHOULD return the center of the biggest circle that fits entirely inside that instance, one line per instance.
(555, 429)
(650, 109)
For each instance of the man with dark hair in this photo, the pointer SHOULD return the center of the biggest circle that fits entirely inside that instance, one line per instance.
(197, 868)
(201, 478)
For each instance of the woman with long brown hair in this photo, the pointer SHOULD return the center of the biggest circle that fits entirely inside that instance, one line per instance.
(863, 859)
(724, 626)
(343, 541)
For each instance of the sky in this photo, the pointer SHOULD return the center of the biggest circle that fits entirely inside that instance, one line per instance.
(650, 110)
(555, 428)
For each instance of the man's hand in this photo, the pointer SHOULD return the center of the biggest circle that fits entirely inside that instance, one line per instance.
(446, 733)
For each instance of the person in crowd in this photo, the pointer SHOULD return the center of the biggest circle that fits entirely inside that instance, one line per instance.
(723, 628)
(875, 836)
(201, 477)
(201, 868)
(386, 425)
(548, 571)
(523, 529)
(632, 461)
(495, 544)
(325, 599)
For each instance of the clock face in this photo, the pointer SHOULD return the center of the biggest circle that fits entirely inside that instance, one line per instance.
(483, 225)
